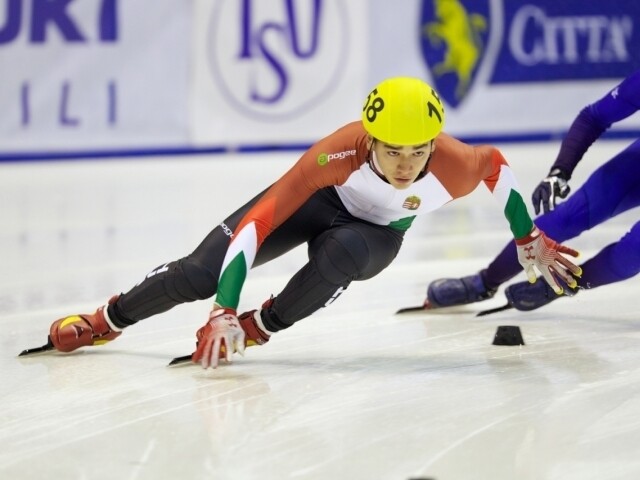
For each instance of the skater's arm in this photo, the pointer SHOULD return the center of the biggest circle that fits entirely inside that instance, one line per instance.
(536, 252)
(593, 120)
(460, 168)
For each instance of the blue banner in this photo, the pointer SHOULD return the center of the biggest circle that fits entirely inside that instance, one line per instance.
(548, 40)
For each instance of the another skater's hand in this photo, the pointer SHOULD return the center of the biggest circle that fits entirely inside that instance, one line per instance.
(219, 338)
(539, 251)
(552, 187)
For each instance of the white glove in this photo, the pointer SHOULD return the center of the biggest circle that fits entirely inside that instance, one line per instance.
(219, 338)
(539, 251)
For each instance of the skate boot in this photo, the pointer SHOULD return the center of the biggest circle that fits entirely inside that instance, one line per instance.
(525, 296)
(448, 292)
(75, 331)
(254, 334)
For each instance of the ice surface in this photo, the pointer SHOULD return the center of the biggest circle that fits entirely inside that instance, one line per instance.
(353, 392)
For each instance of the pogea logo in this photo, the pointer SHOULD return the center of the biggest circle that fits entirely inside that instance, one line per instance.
(325, 158)
(227, 231)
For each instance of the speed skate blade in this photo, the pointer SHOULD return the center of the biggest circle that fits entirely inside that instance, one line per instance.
(32, 351)
(494, 310)
(419, 308)
(431, 309)
(180, 361)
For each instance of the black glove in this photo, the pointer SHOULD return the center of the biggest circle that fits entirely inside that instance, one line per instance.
(549, 189)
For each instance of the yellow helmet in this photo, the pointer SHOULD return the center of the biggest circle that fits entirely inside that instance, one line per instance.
(403, 111)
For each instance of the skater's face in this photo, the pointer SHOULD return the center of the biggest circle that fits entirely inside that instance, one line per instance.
(401, 165)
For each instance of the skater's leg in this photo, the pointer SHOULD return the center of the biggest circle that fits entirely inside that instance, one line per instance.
(356, 251)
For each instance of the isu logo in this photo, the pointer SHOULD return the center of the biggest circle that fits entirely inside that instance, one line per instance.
(262, 53)
(412, 203)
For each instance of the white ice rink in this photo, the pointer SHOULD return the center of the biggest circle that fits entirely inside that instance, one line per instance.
(353, 392)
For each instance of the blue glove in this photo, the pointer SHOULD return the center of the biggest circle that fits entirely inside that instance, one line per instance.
(548, 191)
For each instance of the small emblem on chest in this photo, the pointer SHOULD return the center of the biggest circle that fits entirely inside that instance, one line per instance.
(412, 202)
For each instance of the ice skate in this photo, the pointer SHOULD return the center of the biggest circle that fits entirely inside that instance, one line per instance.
(450, 292)
(527, 296)
(70, 333)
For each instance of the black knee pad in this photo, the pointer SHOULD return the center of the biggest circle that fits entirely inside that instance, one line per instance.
(341, 257)
(189, 280)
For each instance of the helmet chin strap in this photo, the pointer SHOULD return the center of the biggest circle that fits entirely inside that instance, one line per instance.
(375, 166)
(373, 162)
(426, 165)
